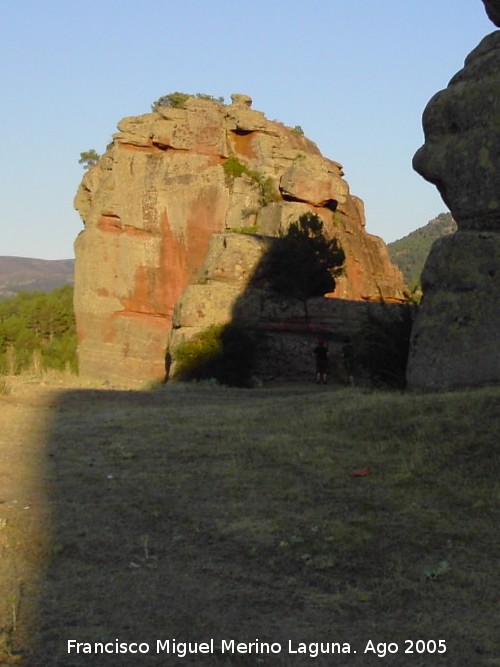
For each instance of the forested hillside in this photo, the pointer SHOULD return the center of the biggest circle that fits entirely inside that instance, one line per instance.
(37, 330)
(410, 252)
(27, 274)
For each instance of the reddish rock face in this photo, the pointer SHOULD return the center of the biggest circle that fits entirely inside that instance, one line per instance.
(159, 194)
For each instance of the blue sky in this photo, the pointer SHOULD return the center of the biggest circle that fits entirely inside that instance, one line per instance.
(354, 75)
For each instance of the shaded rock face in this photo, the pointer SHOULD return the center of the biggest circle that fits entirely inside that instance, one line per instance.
(231, 288)
(161, 191)
(493, 10)
(455, 340)
(462, 144)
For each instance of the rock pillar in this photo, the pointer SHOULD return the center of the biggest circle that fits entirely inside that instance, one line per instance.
(456, 337)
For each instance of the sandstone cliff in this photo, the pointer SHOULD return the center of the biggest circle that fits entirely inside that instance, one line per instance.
(167, 183)
(456, 340)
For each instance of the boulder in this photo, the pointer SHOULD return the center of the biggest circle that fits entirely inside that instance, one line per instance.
(314, 180)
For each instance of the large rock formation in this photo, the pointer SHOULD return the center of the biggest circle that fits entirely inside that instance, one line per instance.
(455, 341)
(167, 183)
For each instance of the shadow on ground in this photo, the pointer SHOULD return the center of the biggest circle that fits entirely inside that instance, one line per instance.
(199, 513)
(139, 548)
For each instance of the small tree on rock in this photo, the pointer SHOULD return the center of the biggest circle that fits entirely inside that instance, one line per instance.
(304, 263)
(89, 158)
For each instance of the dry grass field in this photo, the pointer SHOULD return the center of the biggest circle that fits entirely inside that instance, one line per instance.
(199, 512)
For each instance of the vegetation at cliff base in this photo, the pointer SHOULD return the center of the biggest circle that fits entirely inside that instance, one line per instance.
(37, 330)
(224, 353)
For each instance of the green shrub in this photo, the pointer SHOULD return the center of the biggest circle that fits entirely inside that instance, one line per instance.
(222, 352)
(178, 100)
(250, 229)
(383, 347)
(211, 98)
(172, 100)
(235, 169)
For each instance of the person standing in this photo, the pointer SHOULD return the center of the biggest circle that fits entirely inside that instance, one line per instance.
(321, 353)
(348, 357)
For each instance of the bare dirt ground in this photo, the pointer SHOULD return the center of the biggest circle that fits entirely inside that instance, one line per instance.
(24, 414)
(201, 512)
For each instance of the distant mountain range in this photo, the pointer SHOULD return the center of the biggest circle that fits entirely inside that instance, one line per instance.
(410, 252)
(18, 274)
(24, 274)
